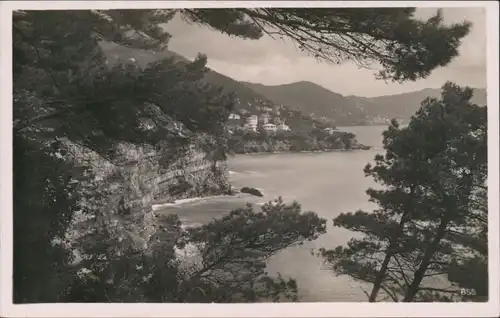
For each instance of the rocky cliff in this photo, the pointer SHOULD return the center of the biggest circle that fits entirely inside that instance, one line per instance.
(127, 190)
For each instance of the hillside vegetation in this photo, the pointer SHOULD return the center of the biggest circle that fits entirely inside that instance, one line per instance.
(247, 101)
(313, 99)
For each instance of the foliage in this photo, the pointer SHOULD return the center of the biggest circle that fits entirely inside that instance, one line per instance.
(431, 215)
(407, 48)
(67, 92)
(225, 265)
(69, 97)
(305, 134)
(64, 92)
(242, 141)
(97, 105)
(469, 269)
(45, 198)
(235, 260)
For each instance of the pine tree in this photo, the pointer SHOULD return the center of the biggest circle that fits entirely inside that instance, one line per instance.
(69, 103)
(407, 48)
(228, 264)
(45, 199)
(84, 100)
(65, 90)
(469, 268)
(432, 174)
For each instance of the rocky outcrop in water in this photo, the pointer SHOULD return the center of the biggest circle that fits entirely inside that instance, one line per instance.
(252, 191)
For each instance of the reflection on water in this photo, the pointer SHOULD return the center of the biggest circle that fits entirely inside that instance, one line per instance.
(326, 183)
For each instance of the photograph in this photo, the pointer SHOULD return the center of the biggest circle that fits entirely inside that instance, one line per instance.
(253, 154)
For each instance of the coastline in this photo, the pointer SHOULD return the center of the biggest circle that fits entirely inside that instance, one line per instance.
(159, 205)
(200, 199)
(180, 202)
(275, 179)
(362, 147)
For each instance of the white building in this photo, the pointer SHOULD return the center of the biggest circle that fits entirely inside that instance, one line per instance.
(269, 127)
(283, 127)
(264, 118)
(252, 120)
(234, 116)
(329, 130)
(252, 127)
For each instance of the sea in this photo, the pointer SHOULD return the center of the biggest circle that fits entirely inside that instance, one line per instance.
(328, 183)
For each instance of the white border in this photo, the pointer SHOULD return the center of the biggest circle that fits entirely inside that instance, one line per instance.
(490, 309)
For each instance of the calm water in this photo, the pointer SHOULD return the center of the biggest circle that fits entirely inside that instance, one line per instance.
(326, 183)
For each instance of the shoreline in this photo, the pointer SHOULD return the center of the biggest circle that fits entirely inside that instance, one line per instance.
(304, 151)
(181, 202)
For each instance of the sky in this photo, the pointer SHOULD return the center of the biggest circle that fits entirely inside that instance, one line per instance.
(274, 62)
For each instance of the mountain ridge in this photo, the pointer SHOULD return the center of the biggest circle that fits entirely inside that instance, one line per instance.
(352, 109)
(351, 95)
(307, 97)
(312, 99)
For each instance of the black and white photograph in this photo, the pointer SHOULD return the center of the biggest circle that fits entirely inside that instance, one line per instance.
(262, 153)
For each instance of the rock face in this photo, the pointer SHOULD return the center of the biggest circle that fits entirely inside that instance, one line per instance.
(251, 191)
(130, 189)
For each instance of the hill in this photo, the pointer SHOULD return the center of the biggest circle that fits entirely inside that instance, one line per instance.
(403, 106)
(313, 99)
(310, 98)
(248, 102)
(305, 97)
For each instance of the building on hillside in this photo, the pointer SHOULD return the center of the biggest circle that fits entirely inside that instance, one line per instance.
(325, 120)
(283, 127)
(329, 130)
(252, 120)
(233, 123)
(234, 116)
(378, 120)
(275, 110)
(264, 118)
(269, 127)
(266, 109)
(251, 127)
(251, 123)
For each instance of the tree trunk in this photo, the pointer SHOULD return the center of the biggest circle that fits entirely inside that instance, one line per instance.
(380, 276)
(383, 269)
(420, 273)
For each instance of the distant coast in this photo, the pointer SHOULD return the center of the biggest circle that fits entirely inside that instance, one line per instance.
(252, 152)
